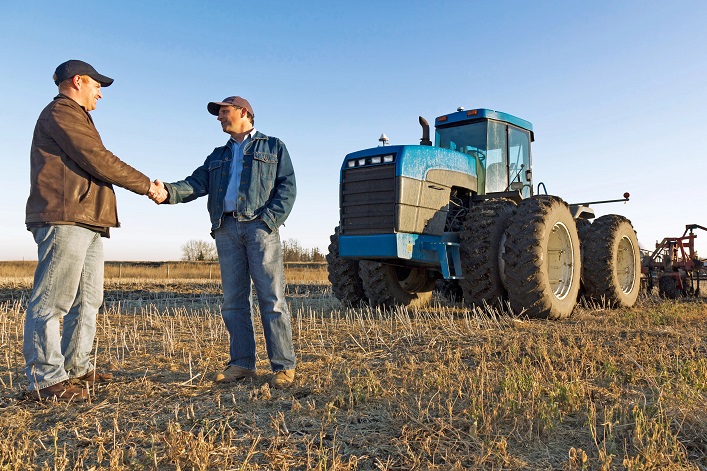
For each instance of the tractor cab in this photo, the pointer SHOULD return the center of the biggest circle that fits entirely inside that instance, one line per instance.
(497, 143)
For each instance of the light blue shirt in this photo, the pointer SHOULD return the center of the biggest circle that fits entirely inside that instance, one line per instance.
(230, 202)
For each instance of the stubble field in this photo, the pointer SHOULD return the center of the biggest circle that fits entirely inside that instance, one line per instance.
(443, 388)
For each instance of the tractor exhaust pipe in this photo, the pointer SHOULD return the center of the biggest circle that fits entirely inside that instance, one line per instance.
(425, 141)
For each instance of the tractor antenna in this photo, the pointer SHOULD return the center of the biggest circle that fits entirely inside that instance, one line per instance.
(383, 139)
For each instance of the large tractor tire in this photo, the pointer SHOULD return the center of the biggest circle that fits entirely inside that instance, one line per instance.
(390, 285)
(583, 226)
(344, 275)
(611, 261)
(480, 243)
(542, 258)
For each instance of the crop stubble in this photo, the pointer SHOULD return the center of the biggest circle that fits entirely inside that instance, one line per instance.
(443, 388)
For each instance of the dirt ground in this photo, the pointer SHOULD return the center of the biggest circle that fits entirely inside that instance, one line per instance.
(443, 388)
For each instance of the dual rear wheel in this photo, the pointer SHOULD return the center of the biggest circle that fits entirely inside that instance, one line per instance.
(611, 262)
(545, 256)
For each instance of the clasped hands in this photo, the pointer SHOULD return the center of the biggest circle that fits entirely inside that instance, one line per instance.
(157, 193)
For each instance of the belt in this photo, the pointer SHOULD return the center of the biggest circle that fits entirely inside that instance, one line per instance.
(230, 214)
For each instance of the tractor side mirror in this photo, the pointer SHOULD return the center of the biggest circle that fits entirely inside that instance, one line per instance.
(517, 186)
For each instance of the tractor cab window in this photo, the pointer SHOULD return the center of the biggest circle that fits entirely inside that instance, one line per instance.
(519, 158)
(469, 139)
(496, 158)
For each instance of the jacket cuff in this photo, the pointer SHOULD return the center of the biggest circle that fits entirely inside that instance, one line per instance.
(171, 194)
(269, 220)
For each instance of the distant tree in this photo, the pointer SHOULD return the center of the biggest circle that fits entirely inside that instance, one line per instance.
(292, 251)
(317, 256)
(199, 250)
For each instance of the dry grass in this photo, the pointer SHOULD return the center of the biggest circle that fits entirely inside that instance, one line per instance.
(444, 388)
(298, 272)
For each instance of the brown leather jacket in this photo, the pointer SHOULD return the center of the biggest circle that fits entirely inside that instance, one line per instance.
(72, 173)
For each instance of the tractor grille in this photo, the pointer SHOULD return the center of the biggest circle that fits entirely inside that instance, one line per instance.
(368, 200)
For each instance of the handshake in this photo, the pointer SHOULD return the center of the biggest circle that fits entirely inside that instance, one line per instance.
(157, 193)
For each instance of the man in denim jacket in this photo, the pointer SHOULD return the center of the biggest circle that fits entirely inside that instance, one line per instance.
(251, 188)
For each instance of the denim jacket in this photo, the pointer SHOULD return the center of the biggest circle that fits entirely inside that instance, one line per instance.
(267, 189)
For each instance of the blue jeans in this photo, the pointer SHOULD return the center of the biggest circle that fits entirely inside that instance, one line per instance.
(251, 250)
(68, 284)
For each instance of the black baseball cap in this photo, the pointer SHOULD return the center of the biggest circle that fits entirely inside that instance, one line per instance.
(75, 67)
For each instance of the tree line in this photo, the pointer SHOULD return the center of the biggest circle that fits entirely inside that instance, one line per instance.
(292, 251)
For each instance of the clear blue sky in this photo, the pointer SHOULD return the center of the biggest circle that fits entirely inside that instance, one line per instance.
(615, 90)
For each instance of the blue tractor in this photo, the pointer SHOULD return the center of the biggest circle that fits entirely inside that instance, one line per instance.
(462, 214)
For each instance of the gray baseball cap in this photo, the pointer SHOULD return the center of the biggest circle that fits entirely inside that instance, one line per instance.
(214, 106)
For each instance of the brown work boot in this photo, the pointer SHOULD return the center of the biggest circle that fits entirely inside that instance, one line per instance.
(63, 392)
(233, 373)
(94, 377)
(282, 379)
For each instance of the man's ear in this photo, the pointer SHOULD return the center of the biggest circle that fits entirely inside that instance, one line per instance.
(76, 81)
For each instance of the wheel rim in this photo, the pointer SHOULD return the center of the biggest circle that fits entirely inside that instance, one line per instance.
(626, 264)
(560, 260)
(411, 279)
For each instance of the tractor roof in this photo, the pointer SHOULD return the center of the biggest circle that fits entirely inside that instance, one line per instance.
(482, 113)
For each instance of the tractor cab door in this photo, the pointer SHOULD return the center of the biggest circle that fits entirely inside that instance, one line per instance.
(508, 159)
(519, 159)
(496, 158)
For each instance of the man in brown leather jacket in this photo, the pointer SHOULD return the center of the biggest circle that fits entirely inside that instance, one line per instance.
(70, 207)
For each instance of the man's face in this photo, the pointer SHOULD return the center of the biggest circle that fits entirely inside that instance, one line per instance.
(233, 120)
(89, 92)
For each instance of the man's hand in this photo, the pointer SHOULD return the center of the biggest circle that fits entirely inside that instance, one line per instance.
(158, 193)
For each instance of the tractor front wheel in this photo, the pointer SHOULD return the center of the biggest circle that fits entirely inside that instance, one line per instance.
(390, 285)
(344, 275)
(542, 258)
(481, 239)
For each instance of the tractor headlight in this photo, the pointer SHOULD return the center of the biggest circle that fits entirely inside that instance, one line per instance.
(375, 160)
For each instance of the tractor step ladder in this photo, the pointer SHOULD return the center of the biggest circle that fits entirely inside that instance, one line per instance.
(449, 258)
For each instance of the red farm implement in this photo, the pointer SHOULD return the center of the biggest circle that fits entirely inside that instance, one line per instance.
(674, 267)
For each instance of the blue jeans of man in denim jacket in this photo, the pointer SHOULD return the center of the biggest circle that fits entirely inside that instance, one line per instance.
(248, 242)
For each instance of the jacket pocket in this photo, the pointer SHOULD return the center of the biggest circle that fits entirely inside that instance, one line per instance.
(215, 165)
(88, 191)
(215, 169)
(263, 177)
(264, 166)
(215, 173)
(267, 157)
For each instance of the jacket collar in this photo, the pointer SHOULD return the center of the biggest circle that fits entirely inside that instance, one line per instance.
(62, 96)
(258, 136)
